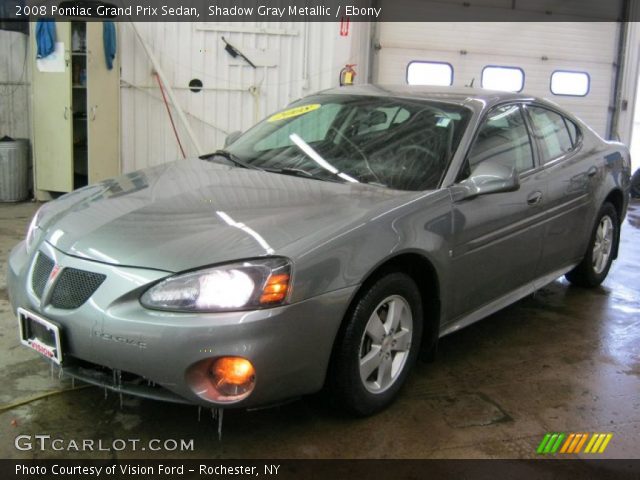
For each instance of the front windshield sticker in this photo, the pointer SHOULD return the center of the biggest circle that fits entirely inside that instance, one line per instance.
(294, 112)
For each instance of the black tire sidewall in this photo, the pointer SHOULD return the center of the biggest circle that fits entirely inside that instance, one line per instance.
(586, 275)
(355, 396)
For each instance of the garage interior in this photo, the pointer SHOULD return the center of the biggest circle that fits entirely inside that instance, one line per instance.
(565, 359)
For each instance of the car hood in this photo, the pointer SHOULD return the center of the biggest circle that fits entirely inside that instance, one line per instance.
(191, 213)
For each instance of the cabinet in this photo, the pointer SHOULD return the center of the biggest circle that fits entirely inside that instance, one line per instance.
(75, 110)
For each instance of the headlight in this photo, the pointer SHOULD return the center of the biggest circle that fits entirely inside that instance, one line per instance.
(244, 285)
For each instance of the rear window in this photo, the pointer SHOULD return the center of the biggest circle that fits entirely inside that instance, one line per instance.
(550, 129)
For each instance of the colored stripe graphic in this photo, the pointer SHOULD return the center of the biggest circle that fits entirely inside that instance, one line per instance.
(577, 442)
(543, 443)
(567, 443)
(590, 444)
(582, 441)
(556, 446)
(550, 443)
(573, 442)
(606, 442)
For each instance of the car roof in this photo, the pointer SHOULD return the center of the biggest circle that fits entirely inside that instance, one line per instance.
(459, 95)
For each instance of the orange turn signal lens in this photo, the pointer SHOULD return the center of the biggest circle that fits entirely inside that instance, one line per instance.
(233, 377)
(276, 289)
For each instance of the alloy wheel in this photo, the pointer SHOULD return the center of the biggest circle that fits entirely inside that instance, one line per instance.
(602, 245)
(385, 344)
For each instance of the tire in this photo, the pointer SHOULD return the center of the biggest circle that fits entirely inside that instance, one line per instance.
(595, 265)
(366, 341)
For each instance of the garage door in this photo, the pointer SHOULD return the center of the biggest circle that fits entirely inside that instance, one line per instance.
(578, 56)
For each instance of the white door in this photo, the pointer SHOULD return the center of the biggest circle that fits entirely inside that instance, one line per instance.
(537, 48)
(103, 108)
(52, 114)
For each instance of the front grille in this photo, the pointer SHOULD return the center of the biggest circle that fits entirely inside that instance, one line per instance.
(74, 287)
(40, 275)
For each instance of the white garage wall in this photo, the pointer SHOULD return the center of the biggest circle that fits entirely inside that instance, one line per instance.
(305, 58)
(538, 48)
(14, 85)
(295, 59)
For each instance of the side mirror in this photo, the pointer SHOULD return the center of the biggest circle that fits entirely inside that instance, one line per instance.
(232, 137)
(488, 177)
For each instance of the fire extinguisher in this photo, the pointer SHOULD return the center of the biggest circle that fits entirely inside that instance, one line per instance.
(347, 74)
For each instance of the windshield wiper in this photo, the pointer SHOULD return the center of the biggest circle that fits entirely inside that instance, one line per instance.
(230, 157)
(299, 172)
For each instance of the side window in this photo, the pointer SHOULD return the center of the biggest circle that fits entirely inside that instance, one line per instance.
(504, 139)
(550, 129)
(574, 132)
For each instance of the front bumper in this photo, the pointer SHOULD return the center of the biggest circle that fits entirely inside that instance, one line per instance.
(111, 335)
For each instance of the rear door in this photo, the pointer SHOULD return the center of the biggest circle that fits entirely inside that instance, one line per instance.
(570, 171)
(498, 237)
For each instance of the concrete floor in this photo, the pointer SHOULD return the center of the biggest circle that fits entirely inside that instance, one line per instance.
(564, 360)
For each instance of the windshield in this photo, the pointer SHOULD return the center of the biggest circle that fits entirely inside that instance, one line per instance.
(398, 143)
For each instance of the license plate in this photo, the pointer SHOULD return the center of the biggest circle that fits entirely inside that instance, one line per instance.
(40, 335)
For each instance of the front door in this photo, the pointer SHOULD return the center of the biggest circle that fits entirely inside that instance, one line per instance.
(497, 238)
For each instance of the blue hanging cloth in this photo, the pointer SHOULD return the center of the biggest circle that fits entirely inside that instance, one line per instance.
(109, 37)
(45, 37)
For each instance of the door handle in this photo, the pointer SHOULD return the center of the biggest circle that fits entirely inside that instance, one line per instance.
(92, 112)
(534, 198)
(66, 113)
(592, 172)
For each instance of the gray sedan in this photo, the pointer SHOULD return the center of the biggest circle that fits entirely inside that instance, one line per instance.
(324, 248)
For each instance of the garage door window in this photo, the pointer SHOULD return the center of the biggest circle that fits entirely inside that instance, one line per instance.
(551, 131)
(574, 84)
(430, 73)
(508, 79)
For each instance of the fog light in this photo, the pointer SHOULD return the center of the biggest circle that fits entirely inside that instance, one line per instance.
(233, 378)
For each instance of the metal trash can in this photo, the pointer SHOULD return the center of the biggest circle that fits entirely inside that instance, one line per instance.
(14, 169)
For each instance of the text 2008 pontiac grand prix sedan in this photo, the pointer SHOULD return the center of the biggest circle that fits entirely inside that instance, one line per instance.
(324, 247)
